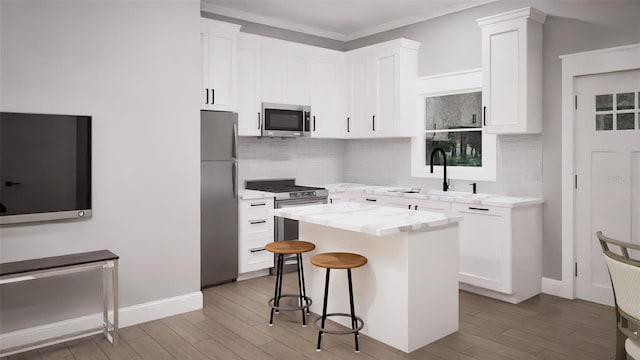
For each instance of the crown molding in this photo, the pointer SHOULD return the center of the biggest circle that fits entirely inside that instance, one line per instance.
(270, 21)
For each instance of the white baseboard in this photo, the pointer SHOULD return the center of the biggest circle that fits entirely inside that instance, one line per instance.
(130, 315)
(554, 287)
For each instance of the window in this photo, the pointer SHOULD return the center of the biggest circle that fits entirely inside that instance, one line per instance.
(450, 118)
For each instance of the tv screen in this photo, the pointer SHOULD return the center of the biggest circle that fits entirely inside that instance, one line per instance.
(45, 167)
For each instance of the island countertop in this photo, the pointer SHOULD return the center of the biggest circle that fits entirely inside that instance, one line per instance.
(366, 218)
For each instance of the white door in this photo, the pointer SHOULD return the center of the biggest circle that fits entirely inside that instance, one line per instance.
(386, 83)
(608, 174)
(326, 96)
(359, 122)
(249, 86)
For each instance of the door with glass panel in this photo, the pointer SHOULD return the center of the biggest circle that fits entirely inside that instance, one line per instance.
(607, 152)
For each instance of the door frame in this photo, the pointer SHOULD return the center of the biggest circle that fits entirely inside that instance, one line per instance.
(573, 65)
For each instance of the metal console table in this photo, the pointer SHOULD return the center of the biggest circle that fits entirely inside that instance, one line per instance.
(25, 270)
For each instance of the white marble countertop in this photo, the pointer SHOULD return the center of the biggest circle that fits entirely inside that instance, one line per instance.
(450, 196)
(245, 194)
(366, 218)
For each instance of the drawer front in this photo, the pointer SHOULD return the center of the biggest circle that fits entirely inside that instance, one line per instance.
(256, 228)
(256, 209)
(253, 256)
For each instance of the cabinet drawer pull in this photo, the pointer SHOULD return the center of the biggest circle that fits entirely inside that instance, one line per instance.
(207, 91)
(255, 250)
(374, 122)
(348, 124)
(213, 96)
(257, 222)
(371, 200)
(259, 121)
(477, 208)
(259, 204)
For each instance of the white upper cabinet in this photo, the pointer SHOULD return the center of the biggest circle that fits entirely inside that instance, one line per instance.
(249, 85)
(284, 72)
(381, 90)
(219, 49)
(512, 71)
(326, 93)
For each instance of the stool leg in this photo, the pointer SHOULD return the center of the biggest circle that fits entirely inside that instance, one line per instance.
(304, 289)
(354, 322)
(280, 272)
(275, 292)
(299, 261)
(324, 309)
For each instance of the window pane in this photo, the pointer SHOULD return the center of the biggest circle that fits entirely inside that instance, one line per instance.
(454, 111)
(625, 121)
(604, 122)
(604, 102)
(625, 101)
(463, 148)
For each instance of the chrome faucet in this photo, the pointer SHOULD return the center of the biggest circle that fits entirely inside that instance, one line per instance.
(445, 184)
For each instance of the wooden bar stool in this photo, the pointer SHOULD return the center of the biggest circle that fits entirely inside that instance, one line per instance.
(282, 248)
(339, 260)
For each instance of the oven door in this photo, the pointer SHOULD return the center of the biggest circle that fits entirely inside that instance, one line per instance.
(287, 229)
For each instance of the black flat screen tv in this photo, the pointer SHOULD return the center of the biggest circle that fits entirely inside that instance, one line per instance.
(45, 167)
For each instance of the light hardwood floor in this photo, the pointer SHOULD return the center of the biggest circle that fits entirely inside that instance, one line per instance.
(233, 325)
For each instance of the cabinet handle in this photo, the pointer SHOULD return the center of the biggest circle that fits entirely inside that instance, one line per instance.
(260, 204)
(374, 200)
(213, 96)
(477, 208)
(257, 222)
(415, 207)
(259, 121)
(255, 250)
(330, 201)
(348, 124)
(207, 91)
(374, 122)
(484, 116)
(314, 123)
(409, 207)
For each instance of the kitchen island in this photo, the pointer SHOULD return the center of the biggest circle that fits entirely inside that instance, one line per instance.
(407, 294)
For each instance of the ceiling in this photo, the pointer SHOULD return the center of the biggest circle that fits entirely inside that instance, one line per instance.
(339, 20)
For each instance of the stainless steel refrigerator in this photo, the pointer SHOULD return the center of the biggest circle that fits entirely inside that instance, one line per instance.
(218, 197)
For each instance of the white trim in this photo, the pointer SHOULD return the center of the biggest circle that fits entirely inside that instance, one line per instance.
(580, 64)
(288, 25)
(460, 6)
(528, 13)
(552, 287)
(269, 21)
(130, 315)
(446, 84)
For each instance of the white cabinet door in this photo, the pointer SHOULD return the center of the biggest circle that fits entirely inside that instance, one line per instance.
(273, 74)
(327, 96)
(284, 73)
(359, 113)
(296, 77)
(432, 205)
(249, 85)
(485, 246)
(381, 90)
(219, 46)
(385, 91)
(512, 72)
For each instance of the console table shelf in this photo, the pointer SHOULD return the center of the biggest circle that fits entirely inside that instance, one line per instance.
(32, 269)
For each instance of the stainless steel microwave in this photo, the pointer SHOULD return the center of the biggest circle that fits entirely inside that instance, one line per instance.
(282, 120)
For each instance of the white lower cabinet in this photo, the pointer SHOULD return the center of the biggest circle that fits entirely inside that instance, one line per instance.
(500, 250)
(255, 230)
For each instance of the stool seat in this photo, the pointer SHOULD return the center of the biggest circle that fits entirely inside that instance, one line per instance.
(338, 260)
(289, 247)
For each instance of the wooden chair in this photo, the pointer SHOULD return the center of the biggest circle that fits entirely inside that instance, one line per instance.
(625, 280)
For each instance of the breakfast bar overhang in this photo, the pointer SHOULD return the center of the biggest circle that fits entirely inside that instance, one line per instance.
(407, 294)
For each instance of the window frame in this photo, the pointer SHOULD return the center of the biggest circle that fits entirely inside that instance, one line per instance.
(450, 84)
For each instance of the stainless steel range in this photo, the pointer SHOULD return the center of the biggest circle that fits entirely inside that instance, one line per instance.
(288, 194)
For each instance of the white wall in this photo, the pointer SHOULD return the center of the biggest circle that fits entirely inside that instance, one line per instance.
(135, 67)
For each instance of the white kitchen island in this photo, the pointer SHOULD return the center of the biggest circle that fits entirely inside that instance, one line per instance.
(407, 294)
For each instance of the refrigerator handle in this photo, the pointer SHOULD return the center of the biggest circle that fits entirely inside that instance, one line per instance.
(234, 142)
(234, 177)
